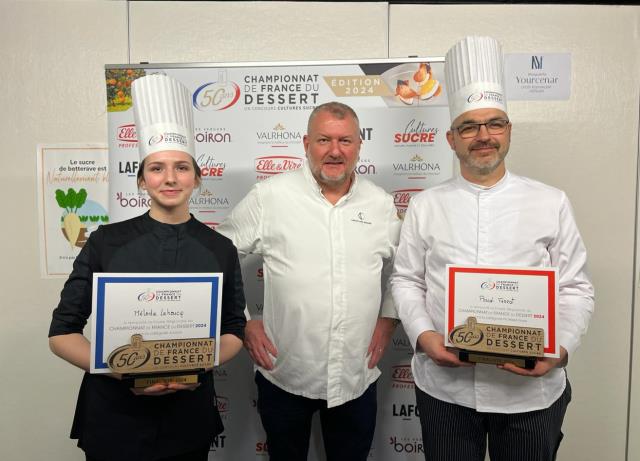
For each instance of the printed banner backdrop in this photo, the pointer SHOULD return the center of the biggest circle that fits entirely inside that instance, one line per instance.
(73, 192)
(249, 123)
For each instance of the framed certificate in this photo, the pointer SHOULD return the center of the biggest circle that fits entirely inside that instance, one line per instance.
(159, 307)
(515, 303)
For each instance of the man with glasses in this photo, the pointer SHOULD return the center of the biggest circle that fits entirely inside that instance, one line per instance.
(486, 217)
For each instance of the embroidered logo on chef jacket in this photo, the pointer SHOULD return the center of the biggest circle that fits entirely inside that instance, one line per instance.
(360, 218)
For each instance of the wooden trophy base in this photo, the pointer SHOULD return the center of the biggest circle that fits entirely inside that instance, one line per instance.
(496, 359)
(139, 381)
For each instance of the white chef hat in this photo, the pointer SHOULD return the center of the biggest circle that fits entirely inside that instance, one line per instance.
(163, 115)
(474, 76)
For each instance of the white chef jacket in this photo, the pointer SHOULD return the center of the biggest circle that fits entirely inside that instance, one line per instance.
(517, 222)
(323, 272)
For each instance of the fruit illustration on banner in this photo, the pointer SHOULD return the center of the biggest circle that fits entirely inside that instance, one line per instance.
(119, 87)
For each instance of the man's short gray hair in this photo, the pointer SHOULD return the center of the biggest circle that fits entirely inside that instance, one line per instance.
(337, 109)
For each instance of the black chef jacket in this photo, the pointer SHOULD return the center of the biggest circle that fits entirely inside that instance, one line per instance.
(110, 421)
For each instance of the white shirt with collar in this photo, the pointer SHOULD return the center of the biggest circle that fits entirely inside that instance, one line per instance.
(516, 222)
(323, 278)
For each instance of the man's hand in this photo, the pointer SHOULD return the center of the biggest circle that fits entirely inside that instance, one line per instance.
(543, 365)
(432, 343)
(159, 389)
(380, 340)
(258, 345)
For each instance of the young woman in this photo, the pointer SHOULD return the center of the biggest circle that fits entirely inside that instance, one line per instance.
(163, 421)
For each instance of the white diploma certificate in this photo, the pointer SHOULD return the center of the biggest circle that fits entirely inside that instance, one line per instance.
(518, 297)
(156, 306)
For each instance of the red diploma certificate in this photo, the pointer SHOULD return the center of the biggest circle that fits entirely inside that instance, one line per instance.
(514, 297)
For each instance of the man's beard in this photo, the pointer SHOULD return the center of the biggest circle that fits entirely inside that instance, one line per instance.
(479, 165)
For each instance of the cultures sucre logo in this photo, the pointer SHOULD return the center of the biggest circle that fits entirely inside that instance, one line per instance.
(210, 167)
(416, 133)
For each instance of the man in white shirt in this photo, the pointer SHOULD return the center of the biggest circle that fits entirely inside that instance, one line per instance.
(326, 237)
(486, 217)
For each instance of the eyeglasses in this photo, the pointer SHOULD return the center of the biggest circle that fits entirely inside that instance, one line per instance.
(471, 130)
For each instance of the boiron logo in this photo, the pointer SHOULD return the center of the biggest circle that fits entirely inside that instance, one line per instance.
(406, 444)
(127, 133)
(276, 164)
(401, 197)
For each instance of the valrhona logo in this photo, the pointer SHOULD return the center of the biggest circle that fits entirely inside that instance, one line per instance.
(280, 136)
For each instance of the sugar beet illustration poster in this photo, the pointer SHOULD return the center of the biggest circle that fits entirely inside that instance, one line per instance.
(73, 193)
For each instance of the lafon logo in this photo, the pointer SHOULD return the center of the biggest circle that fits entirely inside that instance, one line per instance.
(276, 164)
(405, 411)
(217, 96)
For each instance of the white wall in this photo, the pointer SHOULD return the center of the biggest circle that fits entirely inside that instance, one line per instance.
(53, 56)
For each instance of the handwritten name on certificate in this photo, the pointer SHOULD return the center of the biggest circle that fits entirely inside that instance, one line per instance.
(156, 306)
(518, 297)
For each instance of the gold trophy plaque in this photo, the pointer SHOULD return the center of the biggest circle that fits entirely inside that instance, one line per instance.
(165, 361)
(498, 344)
